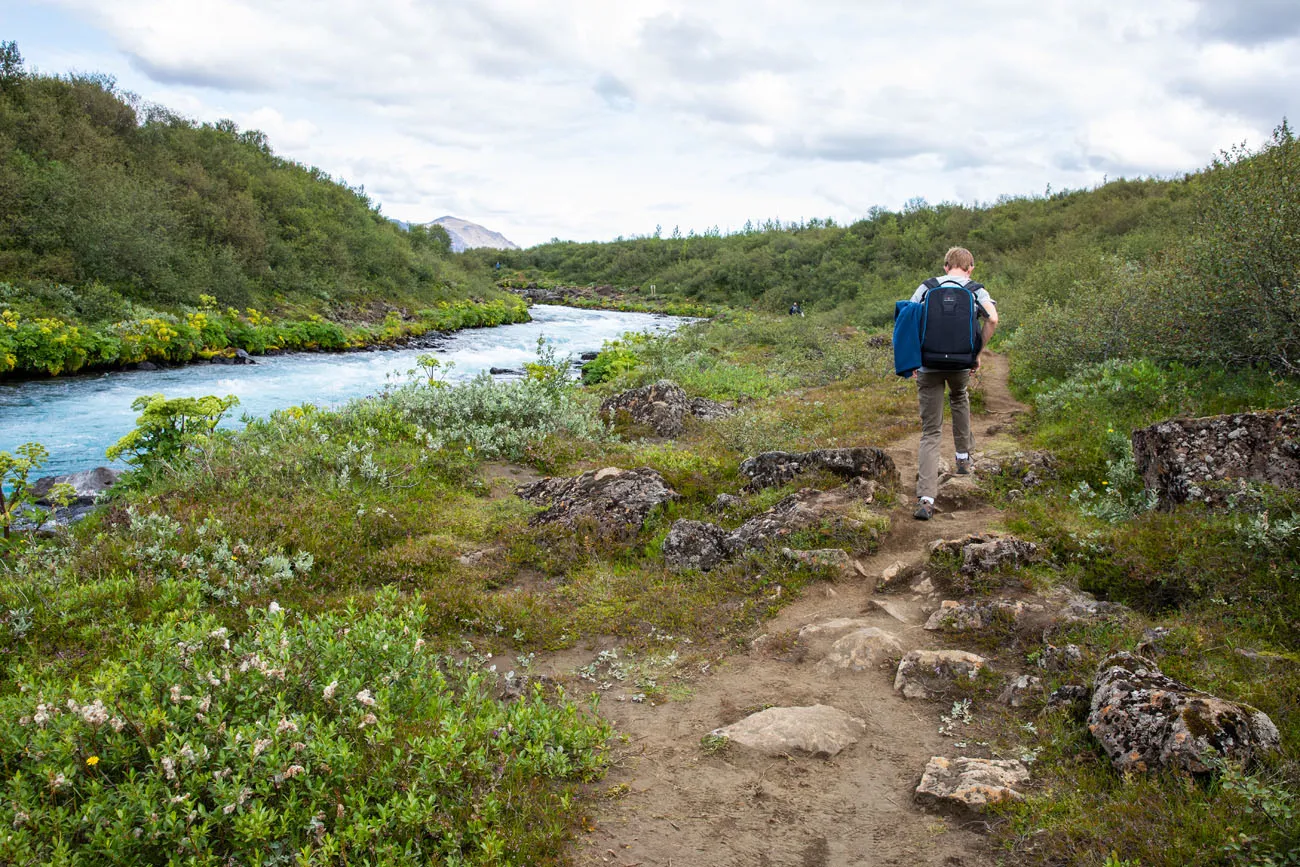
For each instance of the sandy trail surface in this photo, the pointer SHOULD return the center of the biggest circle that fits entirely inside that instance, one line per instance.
(670, 801)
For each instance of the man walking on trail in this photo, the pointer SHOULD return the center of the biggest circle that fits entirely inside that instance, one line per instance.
(951, 371)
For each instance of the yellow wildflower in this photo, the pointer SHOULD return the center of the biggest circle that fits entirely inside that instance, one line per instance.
(92, 760)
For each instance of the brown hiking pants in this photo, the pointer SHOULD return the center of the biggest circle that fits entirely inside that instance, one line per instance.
(930, 388)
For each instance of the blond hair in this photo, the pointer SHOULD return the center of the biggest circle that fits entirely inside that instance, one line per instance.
(959, 257)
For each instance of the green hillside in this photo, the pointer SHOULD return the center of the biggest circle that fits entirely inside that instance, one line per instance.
(113, 210)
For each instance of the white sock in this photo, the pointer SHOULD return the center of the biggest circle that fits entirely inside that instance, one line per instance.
(929, 500)
(961, 456)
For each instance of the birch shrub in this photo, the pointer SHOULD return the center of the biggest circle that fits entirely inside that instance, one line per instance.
(331, 739)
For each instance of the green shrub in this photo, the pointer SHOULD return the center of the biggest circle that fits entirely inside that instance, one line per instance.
(167, 429)
(612, 362)
(334, 739)
(1243, 257)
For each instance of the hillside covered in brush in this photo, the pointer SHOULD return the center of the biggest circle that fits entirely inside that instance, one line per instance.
(118, 198)
(1125, 258)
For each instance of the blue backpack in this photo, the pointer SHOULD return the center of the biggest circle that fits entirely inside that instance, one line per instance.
(950, 332)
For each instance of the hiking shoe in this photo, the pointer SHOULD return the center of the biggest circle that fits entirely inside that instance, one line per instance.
(924, 511)
(963, 466)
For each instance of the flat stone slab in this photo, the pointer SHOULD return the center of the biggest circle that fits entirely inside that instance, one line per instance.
(861, 650)
(833, 628)
(922, 673)
(970, 785)
(819, 730)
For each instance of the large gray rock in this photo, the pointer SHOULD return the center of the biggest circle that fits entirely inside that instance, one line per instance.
(694, 545)
(925, 673)
(613, 498)
(87, 485)
(982, 557)
(1146, 720)
(970, 785)
(776, 468)
(861, 650)
(1202, 458)
(663, 406)
(818, 730)
(806, 508)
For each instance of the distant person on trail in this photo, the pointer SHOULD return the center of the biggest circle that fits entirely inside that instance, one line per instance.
(960, 321)
(795, 309)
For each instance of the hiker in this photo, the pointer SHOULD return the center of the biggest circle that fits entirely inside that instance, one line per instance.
(795, 309)
(959, 320)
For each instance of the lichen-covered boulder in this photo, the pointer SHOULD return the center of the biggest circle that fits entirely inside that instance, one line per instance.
(806, 508)
(694, 545)
(970, 785)
(956, 616)
(770, 469)
(982, 557)
(925, 673)
(1146, 720)
(663, 406)
(819, 730)
(613, 498)
(1202, 458)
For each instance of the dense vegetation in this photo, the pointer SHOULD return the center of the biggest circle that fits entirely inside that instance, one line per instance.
(1026, 249)
(122, 222)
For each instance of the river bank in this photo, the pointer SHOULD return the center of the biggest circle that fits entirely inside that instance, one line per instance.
(77, 417)
(50, 346)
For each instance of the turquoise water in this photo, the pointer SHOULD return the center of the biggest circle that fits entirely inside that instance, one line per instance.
(77, 417)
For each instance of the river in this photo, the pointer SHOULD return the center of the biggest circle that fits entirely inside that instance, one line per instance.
(77, 417)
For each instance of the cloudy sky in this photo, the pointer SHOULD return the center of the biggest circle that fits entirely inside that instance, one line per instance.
(588, 119)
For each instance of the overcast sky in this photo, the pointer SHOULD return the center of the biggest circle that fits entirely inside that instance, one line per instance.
(588, 119)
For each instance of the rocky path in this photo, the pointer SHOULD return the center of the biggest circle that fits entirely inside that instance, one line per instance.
(670, 800)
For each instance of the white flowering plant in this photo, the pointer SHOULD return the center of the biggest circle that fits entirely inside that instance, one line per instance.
(327, 739)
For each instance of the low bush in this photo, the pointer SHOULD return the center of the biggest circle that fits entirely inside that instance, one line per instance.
(330, 739)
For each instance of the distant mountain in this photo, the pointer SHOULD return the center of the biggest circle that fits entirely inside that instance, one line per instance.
(465, 235)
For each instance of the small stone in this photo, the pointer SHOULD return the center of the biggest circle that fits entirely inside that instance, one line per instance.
(819, 730)
(970, 785)
(1055, 658)
(1068, 696)
(726, 502)
(1020, 690)
(893, 609)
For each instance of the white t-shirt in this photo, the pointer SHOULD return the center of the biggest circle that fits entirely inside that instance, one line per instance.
(982, 298)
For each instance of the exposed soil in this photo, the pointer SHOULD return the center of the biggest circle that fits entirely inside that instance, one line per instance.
(670, 801)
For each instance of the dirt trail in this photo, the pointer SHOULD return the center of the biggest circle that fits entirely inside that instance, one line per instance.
(670, 802)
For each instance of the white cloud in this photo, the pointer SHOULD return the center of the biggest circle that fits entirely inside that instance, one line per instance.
(586, 119)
